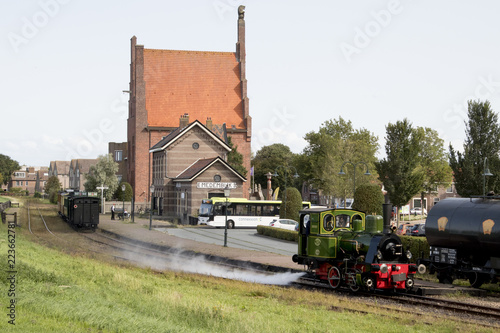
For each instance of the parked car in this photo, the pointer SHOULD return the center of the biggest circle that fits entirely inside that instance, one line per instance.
(418, 211)
(418, 230)
(284, 224)
(404, 229)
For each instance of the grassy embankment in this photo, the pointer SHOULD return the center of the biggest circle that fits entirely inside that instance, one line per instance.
(56, 292)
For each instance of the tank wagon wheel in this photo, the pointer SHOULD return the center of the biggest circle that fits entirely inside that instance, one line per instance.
(334, 277)
(445, 279)
(476, 279)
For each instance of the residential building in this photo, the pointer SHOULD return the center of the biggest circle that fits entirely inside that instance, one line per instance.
(60, 169)
(78, 170)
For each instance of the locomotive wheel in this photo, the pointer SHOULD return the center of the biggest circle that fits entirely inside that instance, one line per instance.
(334, 277)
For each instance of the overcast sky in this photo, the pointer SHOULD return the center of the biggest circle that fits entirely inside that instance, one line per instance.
(65, 64)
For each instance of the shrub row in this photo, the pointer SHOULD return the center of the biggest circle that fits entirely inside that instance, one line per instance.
(289, 235)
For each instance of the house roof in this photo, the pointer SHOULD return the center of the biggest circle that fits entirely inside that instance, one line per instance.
(198, 167)
(194, 82)
(179, 132)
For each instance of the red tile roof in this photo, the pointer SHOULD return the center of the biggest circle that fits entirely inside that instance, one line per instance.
(201, 84)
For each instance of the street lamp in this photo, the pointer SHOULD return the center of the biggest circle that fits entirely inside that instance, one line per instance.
(367, 173)
(152, 190)
(123, 200)
(486, 172)
(227, 193)
(296, 175)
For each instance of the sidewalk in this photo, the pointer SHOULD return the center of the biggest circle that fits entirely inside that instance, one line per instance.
(139, 231)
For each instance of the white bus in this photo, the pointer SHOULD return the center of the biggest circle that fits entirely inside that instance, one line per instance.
(240, 212)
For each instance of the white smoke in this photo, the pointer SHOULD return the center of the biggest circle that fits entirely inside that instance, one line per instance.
(199, 265)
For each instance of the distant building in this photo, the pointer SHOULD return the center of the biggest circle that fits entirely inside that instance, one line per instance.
(29, 179)
(60, 169)
(78, 170)
(119, 151)
(200, 85)
(440, 192)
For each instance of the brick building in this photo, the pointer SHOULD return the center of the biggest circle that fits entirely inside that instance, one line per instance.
(119, 151)
(30, 179)
(190, 164)
(165, 84)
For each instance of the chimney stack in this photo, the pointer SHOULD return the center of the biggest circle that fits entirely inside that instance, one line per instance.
(209, 123)
(184, 120)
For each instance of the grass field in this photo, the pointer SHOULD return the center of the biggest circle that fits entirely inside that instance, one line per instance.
(56, 292)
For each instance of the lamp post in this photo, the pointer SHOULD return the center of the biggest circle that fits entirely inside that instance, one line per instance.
(227, 193)
(152, 190)
(367, 173)
(123, 200)
(286, 169)
(486, 172)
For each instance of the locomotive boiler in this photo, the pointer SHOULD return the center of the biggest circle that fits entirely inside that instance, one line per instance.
(464, 239)
(344, 247)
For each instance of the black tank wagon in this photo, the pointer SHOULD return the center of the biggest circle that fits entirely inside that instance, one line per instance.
(464, 239)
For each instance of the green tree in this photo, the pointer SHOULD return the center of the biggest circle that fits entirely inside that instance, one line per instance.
(398, 171)
(52, 188)
(235, 158)
(104, 172)
(291, 205)
(482, 142)
(124, 196)
(433, 161)
(368, 198)
(7, 167)
(337, 142)
(268, 159)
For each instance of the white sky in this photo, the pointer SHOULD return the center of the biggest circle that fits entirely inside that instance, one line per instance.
(66, 62)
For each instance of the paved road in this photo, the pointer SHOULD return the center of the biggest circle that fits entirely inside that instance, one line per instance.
(241, 238)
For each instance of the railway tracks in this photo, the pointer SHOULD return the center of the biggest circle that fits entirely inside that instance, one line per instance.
(466, 312)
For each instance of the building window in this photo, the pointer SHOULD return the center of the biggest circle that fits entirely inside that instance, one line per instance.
(20, 174)
(119, 177)
(449, 189)
(118, 155)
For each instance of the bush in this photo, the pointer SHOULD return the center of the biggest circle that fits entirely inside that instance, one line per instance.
(128, 192)
(289, 235)
(293, 204)
(369, 199)
(37, 195)
(417, 246)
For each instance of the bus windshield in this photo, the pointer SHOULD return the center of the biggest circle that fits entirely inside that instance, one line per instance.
(205, 209)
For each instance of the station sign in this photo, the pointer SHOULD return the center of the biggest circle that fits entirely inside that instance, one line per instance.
(215, 185)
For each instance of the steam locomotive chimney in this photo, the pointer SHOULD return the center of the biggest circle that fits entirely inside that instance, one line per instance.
(387, 211)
